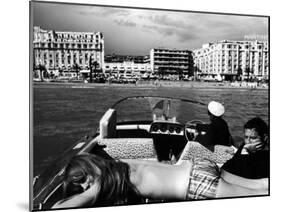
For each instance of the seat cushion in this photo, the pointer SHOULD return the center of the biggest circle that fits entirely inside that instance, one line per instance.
(129, 148)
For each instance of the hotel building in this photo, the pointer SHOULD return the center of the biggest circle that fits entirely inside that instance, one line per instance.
(228, 58)
(171, 61)
(62, 50)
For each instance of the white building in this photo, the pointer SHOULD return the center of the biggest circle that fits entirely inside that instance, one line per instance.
(62, 50)
(228, 58)
(126, 69)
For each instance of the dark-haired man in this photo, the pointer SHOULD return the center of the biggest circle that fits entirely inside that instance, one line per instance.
(252, 158)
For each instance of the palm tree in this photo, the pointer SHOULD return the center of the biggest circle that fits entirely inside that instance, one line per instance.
(76, 68)
(42, 70)
(248, 71)
(60, 71)
(161, 71)
(180, 72)
(90, 65)
(190, 72)
(93, 64)
(196, 71)
(35, 69)
(239, 73)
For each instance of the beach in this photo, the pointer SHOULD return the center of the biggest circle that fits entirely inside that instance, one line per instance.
(151, 84)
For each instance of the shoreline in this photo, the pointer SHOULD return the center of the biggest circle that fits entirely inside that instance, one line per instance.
(152, 84)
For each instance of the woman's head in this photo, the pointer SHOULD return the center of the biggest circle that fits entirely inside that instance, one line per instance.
(111, 176)
(79, 174)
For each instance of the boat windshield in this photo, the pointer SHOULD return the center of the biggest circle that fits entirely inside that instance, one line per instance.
(150, 108)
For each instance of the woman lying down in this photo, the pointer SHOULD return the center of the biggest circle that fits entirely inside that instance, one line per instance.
(94, 181)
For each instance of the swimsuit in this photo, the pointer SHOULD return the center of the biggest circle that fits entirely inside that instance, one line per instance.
(204, 179)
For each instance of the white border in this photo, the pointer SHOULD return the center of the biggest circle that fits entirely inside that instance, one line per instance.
(15, 102)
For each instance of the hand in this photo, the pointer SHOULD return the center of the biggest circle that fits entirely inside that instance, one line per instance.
(195, 134)
(86, 198)
(92, 192)
(230, 150)
(253, 147)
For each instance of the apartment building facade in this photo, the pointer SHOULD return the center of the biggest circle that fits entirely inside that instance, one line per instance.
(232, 58)
(127, 69)
(171, 61)
(58, 50)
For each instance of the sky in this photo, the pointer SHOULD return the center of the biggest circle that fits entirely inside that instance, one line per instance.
(134, 31)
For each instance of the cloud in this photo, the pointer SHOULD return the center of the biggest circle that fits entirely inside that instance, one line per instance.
(164, 20)
(182, 34)
(232, 24)
(190, 25)
(177, 24)
(149, 27)
(104, 11)
(186, 36)
(126, 23)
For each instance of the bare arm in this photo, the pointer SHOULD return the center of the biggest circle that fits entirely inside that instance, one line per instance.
(244, 182)
(154, 163)
(226, 189)
(88, 197)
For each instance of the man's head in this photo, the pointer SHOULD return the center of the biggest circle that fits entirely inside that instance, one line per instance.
(255, 130)
(215, 109)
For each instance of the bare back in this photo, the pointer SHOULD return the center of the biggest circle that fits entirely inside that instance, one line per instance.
(160, 181)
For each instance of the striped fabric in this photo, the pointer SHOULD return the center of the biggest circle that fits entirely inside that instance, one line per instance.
(204, 179)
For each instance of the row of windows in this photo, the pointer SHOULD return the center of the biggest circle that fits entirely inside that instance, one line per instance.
(128, 70)
(171, 52)
(172, 57)
(172, 61)
(65, 63)
(255, 68)
(66, 52)
(65, 60)
(67, 45)
(40, 39)
(229, 53)
(234, 58)
(73, 41)
(115, 67)
(77, 36)
(229, 46)
(242, 45)
(253, 59)
(50, 38)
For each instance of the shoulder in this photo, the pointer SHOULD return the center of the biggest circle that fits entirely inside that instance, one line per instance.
(218, 122)
(260, 157)
(262, 153)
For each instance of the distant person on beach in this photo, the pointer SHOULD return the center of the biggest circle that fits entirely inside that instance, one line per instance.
(217, 132)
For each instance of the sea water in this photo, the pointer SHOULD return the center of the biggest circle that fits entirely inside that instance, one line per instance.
(63, 113)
